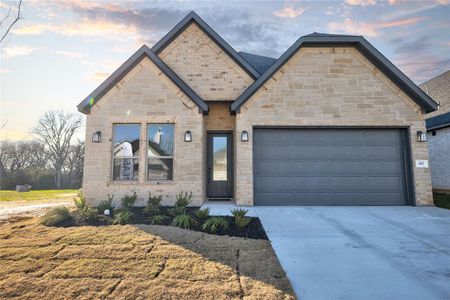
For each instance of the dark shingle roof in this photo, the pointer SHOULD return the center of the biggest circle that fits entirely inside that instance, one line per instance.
(438, 122)
(258, 62)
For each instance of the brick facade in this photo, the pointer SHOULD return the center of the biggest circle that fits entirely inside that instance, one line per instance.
(329, 87)
(144, 96)
(204, 66)
(316, 87)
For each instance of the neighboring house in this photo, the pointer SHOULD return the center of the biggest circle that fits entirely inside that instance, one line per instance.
(330, 122)
(438, 127)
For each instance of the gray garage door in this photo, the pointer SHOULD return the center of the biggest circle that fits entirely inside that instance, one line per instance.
(329, 167)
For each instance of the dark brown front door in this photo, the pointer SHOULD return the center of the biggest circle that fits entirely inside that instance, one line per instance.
(219, 173)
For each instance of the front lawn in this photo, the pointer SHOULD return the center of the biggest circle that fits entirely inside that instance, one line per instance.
(441, 200)
(38, 195)
(135, 261)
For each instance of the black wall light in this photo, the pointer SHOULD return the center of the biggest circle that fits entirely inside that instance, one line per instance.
(244, 136)
(188, 136)
(421, 136)
(97, 137)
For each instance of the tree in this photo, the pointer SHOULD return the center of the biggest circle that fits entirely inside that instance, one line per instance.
(56, 129)
(7, 22)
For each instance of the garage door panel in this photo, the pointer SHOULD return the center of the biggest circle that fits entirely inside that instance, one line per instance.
(328, 167)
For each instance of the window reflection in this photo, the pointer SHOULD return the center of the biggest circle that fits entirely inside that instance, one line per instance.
(220, 158)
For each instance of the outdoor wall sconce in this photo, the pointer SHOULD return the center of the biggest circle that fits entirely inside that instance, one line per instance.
(97, 137)
(244, 136)
(188, 136)
(421, 136)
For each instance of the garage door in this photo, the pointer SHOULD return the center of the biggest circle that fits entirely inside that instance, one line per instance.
(329, 167)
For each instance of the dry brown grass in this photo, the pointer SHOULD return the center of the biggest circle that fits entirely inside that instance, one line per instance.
(135, 262)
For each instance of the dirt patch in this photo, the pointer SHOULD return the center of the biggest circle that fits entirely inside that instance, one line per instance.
(135, 261)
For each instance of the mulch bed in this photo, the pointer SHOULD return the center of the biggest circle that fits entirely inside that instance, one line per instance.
(254, 230)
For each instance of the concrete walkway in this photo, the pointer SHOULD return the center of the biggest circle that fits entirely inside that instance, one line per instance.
(361, 252)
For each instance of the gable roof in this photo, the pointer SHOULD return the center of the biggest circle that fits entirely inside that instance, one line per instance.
(116, 76)
(188, 20)
(438, 122)
(335, 40)
(258, 62)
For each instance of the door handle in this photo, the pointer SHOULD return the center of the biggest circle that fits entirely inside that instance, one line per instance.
(209, 175)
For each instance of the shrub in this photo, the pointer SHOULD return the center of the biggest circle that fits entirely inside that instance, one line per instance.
(122, 217)
(239, 212)
(124, 213)
(176, 211)
(153, 205)
(239, 217)
(202, 214)
(213, 224)
(105, 204)
(183, 199)
(158, 219)
(80, 202)
(55, 216)
(183, 221)
(128, 201)
(88, 215)
(241, 222)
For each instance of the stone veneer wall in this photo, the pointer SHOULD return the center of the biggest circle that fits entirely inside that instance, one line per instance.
(440, 158)
(144, 96)
(204, 66)
(329, 87)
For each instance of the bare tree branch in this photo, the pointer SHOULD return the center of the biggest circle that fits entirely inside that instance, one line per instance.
(16, 19)
(56, 129)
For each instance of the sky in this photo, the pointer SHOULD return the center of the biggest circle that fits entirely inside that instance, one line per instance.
(62, 50)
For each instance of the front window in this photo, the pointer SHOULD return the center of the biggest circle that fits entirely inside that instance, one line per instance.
(160, 139)
(126, 140)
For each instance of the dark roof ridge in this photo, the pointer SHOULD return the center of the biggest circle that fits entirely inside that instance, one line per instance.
(193, 17)
(144, 51)
(369, 51)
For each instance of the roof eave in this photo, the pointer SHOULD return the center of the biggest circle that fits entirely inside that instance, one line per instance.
(193, 17)
(85, 105)
(365, 47)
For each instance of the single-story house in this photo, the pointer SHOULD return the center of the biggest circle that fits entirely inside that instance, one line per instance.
(438, 127)
(330, 122)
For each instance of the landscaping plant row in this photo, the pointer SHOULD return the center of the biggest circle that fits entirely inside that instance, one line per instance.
(179, 215)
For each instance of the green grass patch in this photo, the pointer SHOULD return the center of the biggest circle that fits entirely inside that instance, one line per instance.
(38, 195)
(441, 200)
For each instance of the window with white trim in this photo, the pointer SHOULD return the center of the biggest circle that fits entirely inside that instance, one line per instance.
(160, 143)
(126, 140)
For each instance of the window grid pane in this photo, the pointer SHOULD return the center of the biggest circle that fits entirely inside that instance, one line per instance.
(126, 142)
(160, 144)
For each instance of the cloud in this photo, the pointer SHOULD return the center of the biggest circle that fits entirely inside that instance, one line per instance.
(68, 53)
(13, 51)
(418, 58)
(369, 28)
(33, 29)
(98, 77)
(289, 12)
(361, 2)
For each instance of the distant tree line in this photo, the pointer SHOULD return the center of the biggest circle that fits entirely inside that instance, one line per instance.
(52, 160)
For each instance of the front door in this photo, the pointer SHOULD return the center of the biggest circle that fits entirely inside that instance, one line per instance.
(219, 172)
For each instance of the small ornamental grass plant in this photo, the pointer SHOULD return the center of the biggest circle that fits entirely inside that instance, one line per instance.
(239, 217)
(183, 221)
(55, 216)
(124, 213)
(182, 202)
(86, 213)
(202, 214)
(213, 224)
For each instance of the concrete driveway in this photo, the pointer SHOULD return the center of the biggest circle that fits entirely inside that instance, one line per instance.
(362, 252)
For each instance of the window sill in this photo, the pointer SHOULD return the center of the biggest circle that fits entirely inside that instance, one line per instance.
(160, 182)
(123, 182)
